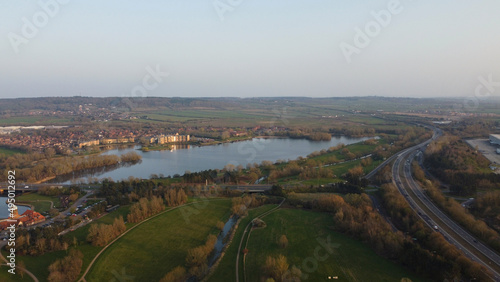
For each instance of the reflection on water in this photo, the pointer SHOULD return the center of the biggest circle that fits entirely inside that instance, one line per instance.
(89, 175)
(178, 147)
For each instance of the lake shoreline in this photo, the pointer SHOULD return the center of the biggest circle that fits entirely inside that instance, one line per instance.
(200, 158)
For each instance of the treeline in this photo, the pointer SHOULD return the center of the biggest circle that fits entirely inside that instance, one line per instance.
(354, 131)
(446, 263)
(200, 177)
(67, 268)
(101, 234)
(197, 258)
(472, 127)
(310, 133)
(240, 205)
(130, 157)
(38, 241)
(487, 207)
(97, 210)
(126, 192)
(319, 136)
(46, 168)
(145, 208)
(55, 191)
(312, 173)
(458, 213)
(460, 166)
(175, 197)
(354, 215)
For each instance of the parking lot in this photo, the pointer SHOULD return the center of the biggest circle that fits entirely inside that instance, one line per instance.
(485, 148)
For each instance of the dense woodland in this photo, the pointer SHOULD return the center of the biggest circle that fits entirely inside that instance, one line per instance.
(461, 167)
(459, 213)
(487, 207)
(472, 128)
(38, 241)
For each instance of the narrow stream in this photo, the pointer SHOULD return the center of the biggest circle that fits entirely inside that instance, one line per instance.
(219, 245)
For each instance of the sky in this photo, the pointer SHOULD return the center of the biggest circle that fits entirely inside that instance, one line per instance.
(248, 48)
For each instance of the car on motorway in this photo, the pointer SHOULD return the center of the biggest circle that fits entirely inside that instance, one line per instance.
(435, 227)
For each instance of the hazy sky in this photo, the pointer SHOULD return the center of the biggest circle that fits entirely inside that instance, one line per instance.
(247, 48)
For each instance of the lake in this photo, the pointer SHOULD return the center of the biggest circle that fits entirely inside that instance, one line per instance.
(199, 158)
(4, 212)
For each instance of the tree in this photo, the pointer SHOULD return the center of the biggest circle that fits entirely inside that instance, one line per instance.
(73, 197)
(119, 226)
(66, 269)
(196, 256)
(276, 190)
(276, 268)
(225, 135)
(220, 225)
(21, 266)
(49, 152)
(229, 167)
(283, 241)
(178, 274)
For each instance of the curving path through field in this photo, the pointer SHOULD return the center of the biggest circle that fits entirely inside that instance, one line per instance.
(17, 267)
(243, 237)
(127, 231)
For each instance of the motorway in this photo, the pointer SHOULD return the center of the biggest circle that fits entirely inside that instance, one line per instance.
(433, 216)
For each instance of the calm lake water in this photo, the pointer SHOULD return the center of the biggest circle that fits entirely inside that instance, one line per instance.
(4, 212)
(194, 158)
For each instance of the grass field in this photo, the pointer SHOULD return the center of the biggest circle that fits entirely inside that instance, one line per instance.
(33, 120)
(151, 250)
(39, 265)
(10, 152)
(40, 202)
(6, 276)
(351, 260)
(338, 170)
(226, 268)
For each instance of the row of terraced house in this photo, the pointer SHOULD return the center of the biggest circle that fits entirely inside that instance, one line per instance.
(165, 139)
(158, 139)
(105, 141)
